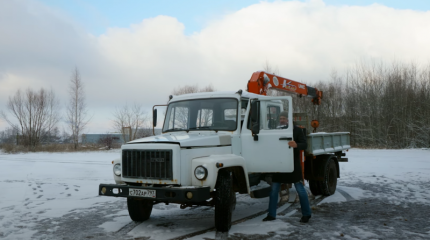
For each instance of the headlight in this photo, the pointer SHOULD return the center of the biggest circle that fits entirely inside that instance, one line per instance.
(201, 173)
(117, 169)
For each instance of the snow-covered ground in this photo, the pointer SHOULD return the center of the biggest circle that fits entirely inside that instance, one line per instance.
(381, 194)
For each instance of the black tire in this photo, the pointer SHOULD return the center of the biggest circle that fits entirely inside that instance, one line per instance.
(315, 188)
(139, 209)
(225, 201)
(328, 185)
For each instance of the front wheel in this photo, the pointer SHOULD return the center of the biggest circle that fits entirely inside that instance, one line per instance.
(225, 201)
(139, 209)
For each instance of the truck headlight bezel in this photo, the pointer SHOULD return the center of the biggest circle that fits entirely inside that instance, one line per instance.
(201, 173)
(117, 169)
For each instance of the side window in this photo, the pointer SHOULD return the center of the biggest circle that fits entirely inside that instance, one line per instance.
(262, 124)
(272, 117)
(244, 103)
(204, 117)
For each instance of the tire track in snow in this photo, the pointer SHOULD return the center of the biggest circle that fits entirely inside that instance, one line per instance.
(345, 195)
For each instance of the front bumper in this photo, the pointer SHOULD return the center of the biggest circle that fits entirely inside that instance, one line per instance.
(163, 194)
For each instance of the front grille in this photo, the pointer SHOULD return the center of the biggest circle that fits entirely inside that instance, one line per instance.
(147, 164)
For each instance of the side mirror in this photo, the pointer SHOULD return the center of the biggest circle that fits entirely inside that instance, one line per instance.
(154, 117)
(255, 118)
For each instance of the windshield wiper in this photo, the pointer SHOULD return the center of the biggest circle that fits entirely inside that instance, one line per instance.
(203, 127)
(175, 129)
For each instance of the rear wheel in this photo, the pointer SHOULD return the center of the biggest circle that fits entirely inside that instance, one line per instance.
(328, 185)
(225, 201)
(139, 209)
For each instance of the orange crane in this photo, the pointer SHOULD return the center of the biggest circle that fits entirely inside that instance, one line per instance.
(261, 81)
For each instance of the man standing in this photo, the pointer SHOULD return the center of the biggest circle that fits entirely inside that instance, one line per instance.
(299, 143)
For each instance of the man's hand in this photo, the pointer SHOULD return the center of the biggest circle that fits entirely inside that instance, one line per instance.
(292, 144)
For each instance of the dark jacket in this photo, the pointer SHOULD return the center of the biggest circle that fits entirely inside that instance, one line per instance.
(296, 175)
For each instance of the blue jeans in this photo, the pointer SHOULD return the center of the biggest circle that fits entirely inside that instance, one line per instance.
(303, 196)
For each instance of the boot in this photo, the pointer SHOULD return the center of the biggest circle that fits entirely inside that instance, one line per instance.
(268, 218)
(305, 219)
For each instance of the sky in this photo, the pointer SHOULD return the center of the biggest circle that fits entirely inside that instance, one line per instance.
(139, 51)
(98, 15)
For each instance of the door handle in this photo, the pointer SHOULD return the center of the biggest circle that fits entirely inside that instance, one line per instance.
(286, 138)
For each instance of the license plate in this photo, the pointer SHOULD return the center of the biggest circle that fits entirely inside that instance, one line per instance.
(141, 193)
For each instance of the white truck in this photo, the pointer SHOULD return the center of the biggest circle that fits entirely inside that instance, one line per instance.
(214, 145)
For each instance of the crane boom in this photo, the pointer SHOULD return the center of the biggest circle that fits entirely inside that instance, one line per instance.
(261, 81)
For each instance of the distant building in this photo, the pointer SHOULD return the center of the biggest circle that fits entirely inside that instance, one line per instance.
(95, 138)
(157, 131)
(117, 137)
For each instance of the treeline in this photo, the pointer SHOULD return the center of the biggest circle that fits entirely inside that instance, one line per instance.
(381, 106)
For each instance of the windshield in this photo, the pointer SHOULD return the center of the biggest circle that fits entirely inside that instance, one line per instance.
(217, 114)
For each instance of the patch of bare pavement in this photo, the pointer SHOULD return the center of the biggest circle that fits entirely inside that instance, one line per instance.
(368, 219)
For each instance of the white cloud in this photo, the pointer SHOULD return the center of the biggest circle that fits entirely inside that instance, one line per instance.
(143, 63)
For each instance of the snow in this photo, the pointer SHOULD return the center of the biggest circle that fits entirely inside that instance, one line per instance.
(398, 170)
(38, 186)
(43, 192)
(118, 221)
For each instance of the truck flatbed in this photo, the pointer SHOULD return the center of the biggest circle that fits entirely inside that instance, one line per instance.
(324, 143)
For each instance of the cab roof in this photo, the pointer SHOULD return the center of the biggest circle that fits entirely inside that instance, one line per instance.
(218, 94)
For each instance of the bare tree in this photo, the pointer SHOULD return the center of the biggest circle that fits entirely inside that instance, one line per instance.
(129, 120)
(268, 68)
(52, 110)
(77, 111)
(34, 113)
(107, 141)
(192, 89)
(208, 88)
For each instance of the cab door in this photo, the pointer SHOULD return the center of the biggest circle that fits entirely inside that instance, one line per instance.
(268, 151)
